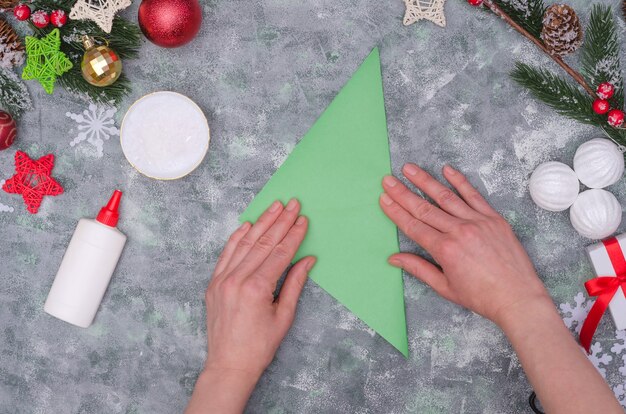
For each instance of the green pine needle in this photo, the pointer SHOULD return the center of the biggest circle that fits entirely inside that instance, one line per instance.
(528, 14)
(14, 96)
(124, 39)
(564, 97)
(599, 57)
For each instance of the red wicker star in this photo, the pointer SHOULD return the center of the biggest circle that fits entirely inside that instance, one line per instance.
(32, 180)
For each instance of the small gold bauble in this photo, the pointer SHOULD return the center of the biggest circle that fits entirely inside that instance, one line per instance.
(101, 66)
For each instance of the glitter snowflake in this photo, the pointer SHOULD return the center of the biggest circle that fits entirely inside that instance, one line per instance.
(599, 359)
(574, 316)
(95, 125)
(4, 208)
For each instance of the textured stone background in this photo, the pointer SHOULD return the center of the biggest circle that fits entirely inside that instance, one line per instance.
(263, 71)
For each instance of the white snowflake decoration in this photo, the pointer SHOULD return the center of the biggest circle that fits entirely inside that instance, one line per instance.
(424, 9)
(575, 315)
(4, 208)
(599, 359)
(101, 12)
(95, 125)
(618, 348)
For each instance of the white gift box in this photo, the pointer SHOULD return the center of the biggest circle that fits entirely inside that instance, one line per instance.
(603, 267)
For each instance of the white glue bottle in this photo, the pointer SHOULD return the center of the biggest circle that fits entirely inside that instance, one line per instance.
(87, 267)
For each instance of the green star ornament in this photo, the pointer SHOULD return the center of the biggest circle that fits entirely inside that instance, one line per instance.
(44, 60)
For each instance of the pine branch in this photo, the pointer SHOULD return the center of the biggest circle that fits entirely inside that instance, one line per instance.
(528, 14)
(124, 39)
(599, 58)
(495, 8)
(74, 82)
(14, 97)
(564, 97)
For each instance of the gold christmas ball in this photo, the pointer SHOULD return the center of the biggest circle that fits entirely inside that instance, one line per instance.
(101, 66)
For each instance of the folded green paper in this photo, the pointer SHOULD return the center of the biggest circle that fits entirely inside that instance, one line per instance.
(335, 171)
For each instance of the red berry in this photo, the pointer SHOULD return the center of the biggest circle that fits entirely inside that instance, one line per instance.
(21, 12)
(58, 18)
(600, 106)
(475, 2)
(616, 118)
(605, 90)
(40, 19)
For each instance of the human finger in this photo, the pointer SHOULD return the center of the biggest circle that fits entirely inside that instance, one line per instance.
(442, 195)
(471, 196)
(420, 232)
(423, 270)
(292, 288)
(258, 229)
(266, 243)
(283, 253)
(417, 206)
(229, 249)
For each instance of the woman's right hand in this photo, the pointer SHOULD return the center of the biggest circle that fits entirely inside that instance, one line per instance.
(485, 268)
(483, 265)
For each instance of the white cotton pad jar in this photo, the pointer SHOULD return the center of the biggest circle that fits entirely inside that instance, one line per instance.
(165, 135)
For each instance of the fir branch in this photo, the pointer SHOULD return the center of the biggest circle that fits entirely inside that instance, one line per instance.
(599, 58)
(528, 14)
(74, 82)
(14, 97)
(564, 97)
(498, 11)
(124, 39)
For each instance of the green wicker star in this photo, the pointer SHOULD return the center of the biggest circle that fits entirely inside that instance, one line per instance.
(44, 60)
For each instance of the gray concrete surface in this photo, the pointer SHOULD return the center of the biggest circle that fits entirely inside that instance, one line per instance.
(263, 71)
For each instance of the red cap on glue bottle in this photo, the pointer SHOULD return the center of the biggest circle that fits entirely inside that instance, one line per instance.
(109, 214)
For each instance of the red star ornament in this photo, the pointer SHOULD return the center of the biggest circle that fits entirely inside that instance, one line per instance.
(32, 180)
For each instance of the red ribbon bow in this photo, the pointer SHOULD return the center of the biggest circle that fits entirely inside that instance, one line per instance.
(604, 287)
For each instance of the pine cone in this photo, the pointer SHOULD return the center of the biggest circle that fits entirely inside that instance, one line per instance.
(8, 4)
(561, 33)
(11, 47)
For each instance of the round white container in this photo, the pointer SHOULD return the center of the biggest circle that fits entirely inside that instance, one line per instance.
(165, 135)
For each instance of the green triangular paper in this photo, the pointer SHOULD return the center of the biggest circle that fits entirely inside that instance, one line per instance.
(335, 171)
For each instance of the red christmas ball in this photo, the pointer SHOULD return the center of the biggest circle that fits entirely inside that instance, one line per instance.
(58, 18)
(8, 130)
(475, 2)
(616, 118)
(21, 12)
(170, 23)
(40, 19)
(601, 106)
(605, 90)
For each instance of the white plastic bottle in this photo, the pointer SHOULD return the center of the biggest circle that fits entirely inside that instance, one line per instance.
(87, 267)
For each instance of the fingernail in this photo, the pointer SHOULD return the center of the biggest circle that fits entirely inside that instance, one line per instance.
(275, 206)
(395, 262)
(310, 263)
(292, 204)
(386, 199)
(244, 226)
(301, 220)
(390, 181)
(449, 170)
(411, 169)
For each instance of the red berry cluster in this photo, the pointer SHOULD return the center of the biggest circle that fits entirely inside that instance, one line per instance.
(40, 18)
(475, 2)
(601, 105)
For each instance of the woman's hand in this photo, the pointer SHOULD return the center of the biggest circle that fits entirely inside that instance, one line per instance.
(245, 324)
(483, 265)
(485, 268)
